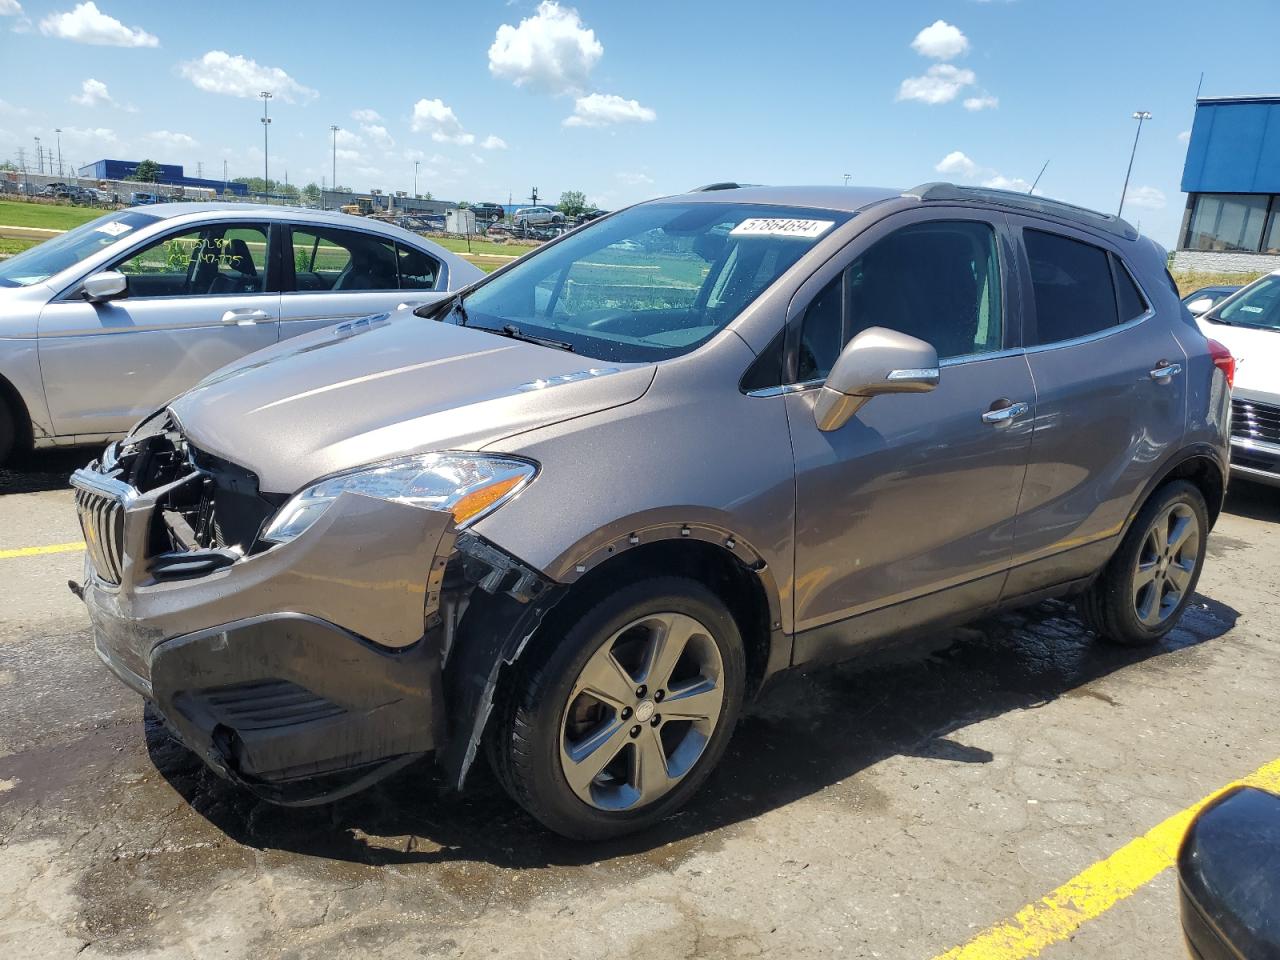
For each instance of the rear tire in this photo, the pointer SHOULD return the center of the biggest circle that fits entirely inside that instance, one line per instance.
(664, 645)
(1141, 593)
(8, 433)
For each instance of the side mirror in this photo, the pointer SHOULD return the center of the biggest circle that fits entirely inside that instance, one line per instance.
(876, 361)
(1200, 306)
(1228, 882)
(107, 285)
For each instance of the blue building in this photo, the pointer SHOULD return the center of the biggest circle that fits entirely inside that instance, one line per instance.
(1232, 182)
(170, 173)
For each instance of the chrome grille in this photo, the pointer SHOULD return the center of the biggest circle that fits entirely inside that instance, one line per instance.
(1251, 420)
(102, 521)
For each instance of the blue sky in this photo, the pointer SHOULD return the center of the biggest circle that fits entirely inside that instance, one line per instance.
(628, 101)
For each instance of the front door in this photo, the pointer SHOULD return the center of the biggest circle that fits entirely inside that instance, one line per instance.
(345, 274)
(909, 507)
(197, 300)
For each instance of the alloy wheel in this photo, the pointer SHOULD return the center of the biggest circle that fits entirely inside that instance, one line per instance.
(1166, 564)
(641, 712)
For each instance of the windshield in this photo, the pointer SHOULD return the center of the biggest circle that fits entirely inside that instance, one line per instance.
(53, 256)
(651, 282)
(1256, 306)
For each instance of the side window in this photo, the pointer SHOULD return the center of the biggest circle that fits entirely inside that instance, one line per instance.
(821, 333)
(216, 260)
(343, 260)
(1072, 283)
(1132, 303)
(418, 271)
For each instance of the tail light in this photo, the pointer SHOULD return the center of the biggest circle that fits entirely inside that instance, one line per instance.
(1224, 361)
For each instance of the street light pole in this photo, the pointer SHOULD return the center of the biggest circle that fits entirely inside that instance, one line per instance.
(58, 131)
(39, 157)
(266, 122)
(1140, 116)
(846, 179)
(415, 179)
(333, 172)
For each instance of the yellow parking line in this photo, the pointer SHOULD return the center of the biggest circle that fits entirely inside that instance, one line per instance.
(39, 551)
(1098, 888)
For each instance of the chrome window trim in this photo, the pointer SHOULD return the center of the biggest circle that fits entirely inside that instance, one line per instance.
(983, 355)
(1098, 335)
(786, 388)
(804, 385)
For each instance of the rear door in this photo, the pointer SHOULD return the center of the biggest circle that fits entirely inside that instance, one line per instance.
(915, 496)
(1111, 400)
(335, 274)
(199, 297)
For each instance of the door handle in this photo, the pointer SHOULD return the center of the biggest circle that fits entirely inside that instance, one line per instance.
(1165, 371)
(1000, 415)
(246, 318)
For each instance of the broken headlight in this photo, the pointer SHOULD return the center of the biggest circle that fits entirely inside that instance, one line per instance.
(468, 485)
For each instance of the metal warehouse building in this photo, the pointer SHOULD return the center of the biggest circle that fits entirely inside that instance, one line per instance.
(171, 174)
(1232, 182)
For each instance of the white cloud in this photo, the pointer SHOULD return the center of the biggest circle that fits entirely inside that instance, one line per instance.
(346, 138)
(87, 24)
(378, 134)
(8, 109)
(89, 136)
(941, 83)
(94, 93)
(492, 142)
(236, 76)
(957, 164)
(10, 8)
(1150, 198)
(347, 154)
(635, 179)
(366, 115)
(984, 102)
(551, 51)
(171, 139)
(602, 109)
(1001, 182)
(439, 120)
(1184, 136)
(941, 41)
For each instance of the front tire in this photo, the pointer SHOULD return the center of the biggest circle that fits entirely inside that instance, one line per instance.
(1142, 591)
(8, 433)
(613, 724)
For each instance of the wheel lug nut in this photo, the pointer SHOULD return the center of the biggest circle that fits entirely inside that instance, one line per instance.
(635, 731)
(626, 713)
(657, 719)
(658, 695)
(641, 691)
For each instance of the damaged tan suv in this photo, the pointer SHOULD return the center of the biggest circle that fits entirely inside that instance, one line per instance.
(575, 516)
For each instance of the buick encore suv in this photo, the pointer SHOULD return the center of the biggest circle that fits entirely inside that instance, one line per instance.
(577, 515)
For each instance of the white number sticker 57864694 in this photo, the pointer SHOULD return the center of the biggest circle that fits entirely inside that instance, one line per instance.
(782, 227)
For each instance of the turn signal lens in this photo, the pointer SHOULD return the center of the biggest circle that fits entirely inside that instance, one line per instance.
(1224, 361)
(478, 501)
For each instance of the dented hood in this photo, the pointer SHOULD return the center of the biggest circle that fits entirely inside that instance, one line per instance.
(368, 391)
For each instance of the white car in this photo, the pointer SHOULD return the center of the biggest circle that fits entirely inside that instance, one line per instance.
(1248, 324)
(105, 323)
(536, 217)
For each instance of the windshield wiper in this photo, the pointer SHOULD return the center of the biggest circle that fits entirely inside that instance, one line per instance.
(514, 332)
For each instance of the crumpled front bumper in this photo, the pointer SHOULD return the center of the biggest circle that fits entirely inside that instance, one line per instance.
(304, 671)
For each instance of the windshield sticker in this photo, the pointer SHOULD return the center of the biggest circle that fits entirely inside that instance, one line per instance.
(115, 228)
(782, 227)
(1251, 309)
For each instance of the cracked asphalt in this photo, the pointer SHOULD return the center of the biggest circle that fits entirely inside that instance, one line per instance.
(890, 808)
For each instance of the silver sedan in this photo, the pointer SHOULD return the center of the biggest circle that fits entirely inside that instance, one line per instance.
(107, 322)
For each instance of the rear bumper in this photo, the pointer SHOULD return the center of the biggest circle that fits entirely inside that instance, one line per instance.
(303, 672)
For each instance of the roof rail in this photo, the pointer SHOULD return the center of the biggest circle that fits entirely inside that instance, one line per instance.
(723, 185)
(1025, 201)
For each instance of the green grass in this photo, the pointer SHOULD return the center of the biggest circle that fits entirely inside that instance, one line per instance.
(1188, 281)
(488, 247)
(10, 247)
(15, 213)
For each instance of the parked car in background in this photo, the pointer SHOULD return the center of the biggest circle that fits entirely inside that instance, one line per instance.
(601, 472)
(1248, 323)
(588, 215)
(1198, 301)
(487, 213)
(536, 217)
(103, 324)
(143, 199)
(58, 190)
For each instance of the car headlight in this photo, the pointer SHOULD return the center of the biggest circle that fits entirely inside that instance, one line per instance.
(468, 485)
